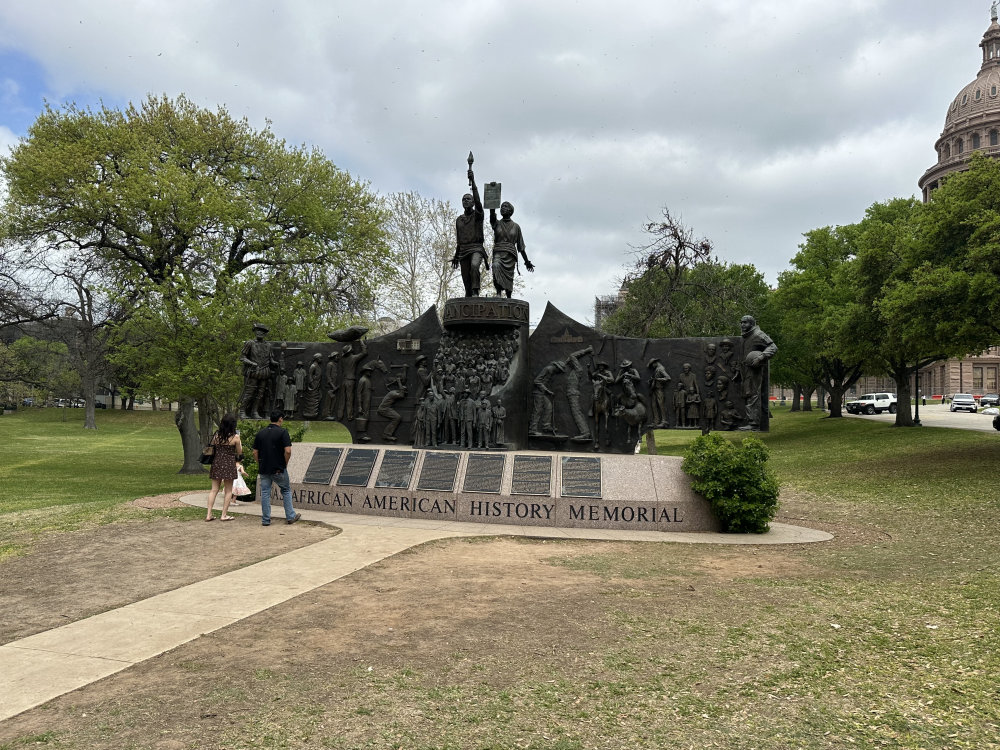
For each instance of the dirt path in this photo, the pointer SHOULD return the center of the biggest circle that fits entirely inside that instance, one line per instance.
(448, 637)
(71, 576)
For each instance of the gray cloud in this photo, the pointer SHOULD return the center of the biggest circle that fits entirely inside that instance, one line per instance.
(755, 122)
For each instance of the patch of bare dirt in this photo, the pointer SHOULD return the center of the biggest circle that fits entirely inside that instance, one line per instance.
(387, 646)
(74, 575)
(158, 502)
(482, 614)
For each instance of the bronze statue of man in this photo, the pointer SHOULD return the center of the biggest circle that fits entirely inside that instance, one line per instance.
(507, 243)
(259, 370)
(758, 348)
(469, 250)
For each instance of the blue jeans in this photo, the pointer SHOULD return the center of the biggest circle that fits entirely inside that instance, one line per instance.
(280, 479)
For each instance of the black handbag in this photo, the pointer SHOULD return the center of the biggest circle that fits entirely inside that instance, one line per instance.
(207, 455)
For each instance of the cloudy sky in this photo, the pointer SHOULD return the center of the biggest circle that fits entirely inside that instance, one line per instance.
(753, 121)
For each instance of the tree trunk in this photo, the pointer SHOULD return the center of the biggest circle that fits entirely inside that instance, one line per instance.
(88, 385)
(190, 438)
(89, 419)
(820, 398)
(650, 443)
(836, 401)
(796, 397)
(904, 414)
(206, 419)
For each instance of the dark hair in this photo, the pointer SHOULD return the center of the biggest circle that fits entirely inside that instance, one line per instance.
(277, 415)
(227, 428)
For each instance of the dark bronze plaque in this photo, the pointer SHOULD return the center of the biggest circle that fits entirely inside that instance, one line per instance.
(484, 473)
(322, 465)
(581, 476)
(438, 472)
(491, 195)
(532, 475)
(357, 467)
(396, 469)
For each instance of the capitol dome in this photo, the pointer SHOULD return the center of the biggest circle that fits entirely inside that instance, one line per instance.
(972, 122)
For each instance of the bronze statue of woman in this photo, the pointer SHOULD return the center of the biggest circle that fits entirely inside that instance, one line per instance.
(507, 243)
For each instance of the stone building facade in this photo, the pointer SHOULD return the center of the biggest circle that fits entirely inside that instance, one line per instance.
(972, 123)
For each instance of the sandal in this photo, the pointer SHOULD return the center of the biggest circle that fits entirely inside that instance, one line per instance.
(210, 518)
(227, 518)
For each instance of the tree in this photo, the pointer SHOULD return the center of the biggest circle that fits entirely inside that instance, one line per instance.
(41, 366)
(179, 203)
(421, 232)
(676, 289)
(883, 244)
(951, 297)
(813, 301)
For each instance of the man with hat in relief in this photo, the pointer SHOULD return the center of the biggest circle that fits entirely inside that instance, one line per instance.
(259, 370)
(628, 376)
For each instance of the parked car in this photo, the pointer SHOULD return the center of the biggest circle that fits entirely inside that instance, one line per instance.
(990, 399)
(873, 403)
(61, 402)
(27, 401)
(963, 402)
(78, 403)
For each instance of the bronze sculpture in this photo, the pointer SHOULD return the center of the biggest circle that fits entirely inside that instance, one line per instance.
(507, 243)
(659, 381)
(469, 238)
(260, 368)
(757, 349)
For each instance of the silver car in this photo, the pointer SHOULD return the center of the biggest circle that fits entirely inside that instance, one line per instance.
(963, 402)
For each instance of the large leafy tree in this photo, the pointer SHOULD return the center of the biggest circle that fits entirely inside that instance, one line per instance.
(421, 232)
(181, 204)
(884, 244)
(951, 299)
(677, 289)
(40, 367)
(814, 300)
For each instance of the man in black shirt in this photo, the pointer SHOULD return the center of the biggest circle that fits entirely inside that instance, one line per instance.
(271, 449)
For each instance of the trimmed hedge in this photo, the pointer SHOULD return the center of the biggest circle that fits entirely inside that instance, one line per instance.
(736, 481)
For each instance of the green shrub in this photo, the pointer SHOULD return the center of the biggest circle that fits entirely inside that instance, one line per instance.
(736, 481)
(248, 431)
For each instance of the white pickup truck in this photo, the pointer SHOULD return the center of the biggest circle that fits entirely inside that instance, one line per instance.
(873, 403)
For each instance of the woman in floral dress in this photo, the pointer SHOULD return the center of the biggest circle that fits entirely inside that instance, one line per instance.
(228, 449)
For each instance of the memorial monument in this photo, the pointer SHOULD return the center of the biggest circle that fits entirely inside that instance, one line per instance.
(473, 378)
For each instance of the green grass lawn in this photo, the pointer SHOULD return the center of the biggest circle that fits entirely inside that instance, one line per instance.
(59, 476)
(886, 637)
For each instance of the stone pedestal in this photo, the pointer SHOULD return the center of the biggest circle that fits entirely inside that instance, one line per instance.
(528, 488)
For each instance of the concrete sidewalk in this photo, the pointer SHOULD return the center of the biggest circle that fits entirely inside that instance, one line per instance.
(41, 667)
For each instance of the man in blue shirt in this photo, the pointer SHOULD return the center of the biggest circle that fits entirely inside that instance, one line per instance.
(272, 447)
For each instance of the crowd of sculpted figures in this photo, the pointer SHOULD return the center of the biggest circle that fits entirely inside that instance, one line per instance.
(453, 394)
(456, 398)
(702, 394)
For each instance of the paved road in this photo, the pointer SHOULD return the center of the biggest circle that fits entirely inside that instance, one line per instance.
(937, 415)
